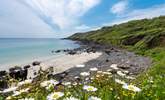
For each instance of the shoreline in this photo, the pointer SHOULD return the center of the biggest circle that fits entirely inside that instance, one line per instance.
(90, 54)
(6, 67)
(63, 63)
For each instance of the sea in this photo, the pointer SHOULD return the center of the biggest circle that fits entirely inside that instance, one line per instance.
(18, 51)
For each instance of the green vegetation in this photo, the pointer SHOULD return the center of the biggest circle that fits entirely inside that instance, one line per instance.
(145, 37)
(138, 34)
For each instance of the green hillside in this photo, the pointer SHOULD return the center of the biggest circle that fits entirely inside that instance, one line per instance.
(145, 37)
(141, 34)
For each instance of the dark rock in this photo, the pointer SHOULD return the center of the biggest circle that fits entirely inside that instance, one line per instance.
(36, 63)
(72, 52)
(35, 73)
(27, 66)
(57, 51)
(125, 66)
(16, 68)
(3, 73)
(18, 73)
(106, 60)
(108, 51)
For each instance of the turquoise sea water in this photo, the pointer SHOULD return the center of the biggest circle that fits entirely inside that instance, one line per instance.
(18, 51)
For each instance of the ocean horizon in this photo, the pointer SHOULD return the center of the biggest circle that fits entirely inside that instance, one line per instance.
(18, 51)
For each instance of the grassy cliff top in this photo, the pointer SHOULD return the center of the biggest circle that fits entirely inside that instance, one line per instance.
(141, 34)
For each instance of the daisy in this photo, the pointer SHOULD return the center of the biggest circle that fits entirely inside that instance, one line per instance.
(76, 77)
(71, 98)
(126, 72)
(24, 82)
(55, 95)
(89, 88)
(93, 69)
(129, 77)
(9, 89)
(119, 81)
(121, 74)
(131, 87)
(66, 83)
(50, 82)
(75, 83)
(84, 74)
(107, 73)
(94, 98)
(100, 72)
(97, 76)
(114, 66)
(109, 70)
(80, 66)
(16, 93)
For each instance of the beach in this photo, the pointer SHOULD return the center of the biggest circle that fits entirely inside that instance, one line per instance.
(63, 63)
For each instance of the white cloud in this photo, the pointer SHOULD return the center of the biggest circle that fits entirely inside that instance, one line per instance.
(16, 20)
(119, 7)
(63, 13)
(151, 12)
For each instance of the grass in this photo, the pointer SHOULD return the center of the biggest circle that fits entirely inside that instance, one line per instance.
(145, 37)
(151, 82)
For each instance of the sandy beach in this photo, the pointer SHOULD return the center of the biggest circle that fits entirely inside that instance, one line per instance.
(63, 63)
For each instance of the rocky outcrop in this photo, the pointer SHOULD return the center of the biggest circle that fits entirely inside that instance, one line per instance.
(18, 73)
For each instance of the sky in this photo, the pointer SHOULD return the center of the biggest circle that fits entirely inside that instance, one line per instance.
(61, 18)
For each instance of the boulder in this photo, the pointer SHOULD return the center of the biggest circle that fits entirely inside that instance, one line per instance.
(35, 63)
(27, 66)
(3, 73)
(18, 73)
(57, 51)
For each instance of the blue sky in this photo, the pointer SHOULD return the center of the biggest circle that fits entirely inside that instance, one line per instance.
(61, 18)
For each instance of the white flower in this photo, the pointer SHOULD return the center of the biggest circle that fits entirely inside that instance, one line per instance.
(66, 83)
(97, 76)
(71, 98)
(16, 93)
(27, 99)
(100, 72)
(87, 78)
(119, 81)
(89, 88)
(49, 86)
(92, 78)
(131, 87)
(93, 69)
(80, 66)
(50, 82)
(114, 66)
(75, 83)
(55, 95)
(121, 74)
(9, 89)
(107, 73)
(94, 98)
(126, 71)
(76, 77)
(84, 74)
(129, 77)
(109, 70)
(24, 82)
(9, 98)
